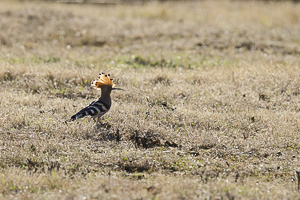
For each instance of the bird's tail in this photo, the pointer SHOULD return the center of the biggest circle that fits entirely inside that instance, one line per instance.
(74, 117)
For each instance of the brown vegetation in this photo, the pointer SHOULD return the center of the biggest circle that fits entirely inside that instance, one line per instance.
(210, 108)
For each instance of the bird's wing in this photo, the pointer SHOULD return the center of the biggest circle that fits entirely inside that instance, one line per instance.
(96, 108)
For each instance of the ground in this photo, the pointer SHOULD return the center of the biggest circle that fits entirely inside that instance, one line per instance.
(210, 107)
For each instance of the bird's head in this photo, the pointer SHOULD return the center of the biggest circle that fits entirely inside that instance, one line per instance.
(105, 83)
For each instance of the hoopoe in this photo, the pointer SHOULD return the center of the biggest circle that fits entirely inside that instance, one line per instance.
(102, 106)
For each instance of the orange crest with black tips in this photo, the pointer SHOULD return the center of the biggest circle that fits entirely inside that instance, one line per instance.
(102, 81)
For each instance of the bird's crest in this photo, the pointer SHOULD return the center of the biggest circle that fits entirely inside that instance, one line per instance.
(102, 81)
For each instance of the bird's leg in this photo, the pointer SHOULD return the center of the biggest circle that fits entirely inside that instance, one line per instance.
(96, 126)
(99, 124)
(99, 120)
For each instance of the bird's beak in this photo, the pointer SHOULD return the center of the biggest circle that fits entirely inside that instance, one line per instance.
(117, 89)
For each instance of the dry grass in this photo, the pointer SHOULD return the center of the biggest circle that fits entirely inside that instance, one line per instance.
(210, 108)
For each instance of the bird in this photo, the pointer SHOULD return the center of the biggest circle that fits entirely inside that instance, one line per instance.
(102, 105)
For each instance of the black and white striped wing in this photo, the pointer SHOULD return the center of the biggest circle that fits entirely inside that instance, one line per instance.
(95, 109)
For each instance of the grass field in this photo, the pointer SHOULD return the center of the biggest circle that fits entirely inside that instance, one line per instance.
(210, 107)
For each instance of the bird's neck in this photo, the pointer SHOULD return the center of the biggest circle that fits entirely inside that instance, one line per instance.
(105, 97)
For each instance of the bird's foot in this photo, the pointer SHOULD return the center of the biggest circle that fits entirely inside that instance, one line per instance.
(98, 126)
